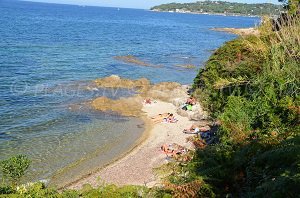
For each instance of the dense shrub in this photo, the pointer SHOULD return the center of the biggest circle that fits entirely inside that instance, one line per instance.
(14, 168)
(252, 85)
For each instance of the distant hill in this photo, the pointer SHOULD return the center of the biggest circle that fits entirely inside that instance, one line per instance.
(221, 7)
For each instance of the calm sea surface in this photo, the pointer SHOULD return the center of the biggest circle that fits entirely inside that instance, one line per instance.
(49, 55)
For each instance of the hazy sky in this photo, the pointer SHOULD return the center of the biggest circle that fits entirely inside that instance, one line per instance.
(137, 3)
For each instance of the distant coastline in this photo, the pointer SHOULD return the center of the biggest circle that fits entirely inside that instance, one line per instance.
(222, 8)
(204, 13)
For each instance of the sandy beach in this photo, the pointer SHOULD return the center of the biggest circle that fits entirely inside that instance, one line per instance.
(136, 167)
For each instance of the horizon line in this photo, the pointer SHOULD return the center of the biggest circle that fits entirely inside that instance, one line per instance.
(86, 5)
(81, 5)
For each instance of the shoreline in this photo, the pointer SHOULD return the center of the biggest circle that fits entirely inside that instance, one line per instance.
(139, 142)
(135, 167)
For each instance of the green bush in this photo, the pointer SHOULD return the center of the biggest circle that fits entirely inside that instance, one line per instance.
(14, 168)
(4, 189)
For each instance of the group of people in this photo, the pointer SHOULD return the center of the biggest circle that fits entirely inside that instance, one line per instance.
(174, 150)
(178, 152)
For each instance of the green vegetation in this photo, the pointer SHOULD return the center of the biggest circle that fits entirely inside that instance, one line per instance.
(291, 5)
(252, 85)
(222, 7)
(39, 190)
(14, 168)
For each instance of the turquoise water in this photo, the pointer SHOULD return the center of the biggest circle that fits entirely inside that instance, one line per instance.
(49, 54)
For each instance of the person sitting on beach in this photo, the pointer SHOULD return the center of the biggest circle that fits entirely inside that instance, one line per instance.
(189, 104)
(191, 101)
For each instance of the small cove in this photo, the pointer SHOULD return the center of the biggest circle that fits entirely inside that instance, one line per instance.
(52, 53)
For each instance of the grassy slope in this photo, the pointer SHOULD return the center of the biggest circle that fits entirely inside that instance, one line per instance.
(251, 85)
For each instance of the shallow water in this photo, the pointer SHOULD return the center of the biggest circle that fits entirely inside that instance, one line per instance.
(50, 53)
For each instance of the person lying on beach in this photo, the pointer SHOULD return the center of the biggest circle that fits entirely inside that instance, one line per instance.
(172, 149)
(160, 117)
(203, 132)
(175, 151)
(170, 119)
(164, 118)
(194, 129)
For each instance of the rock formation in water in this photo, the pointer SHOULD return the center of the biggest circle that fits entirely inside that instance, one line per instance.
(134, 60)
(132, 106)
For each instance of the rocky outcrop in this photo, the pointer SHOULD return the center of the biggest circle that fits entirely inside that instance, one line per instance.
(166, 91)
(115, 81)
(196, 114)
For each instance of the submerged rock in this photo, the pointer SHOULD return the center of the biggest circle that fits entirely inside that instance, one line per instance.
(186, 66)
(134, 60)
(131, 106)
(166, 91)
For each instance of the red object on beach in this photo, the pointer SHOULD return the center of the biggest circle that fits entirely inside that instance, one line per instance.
(148, 101)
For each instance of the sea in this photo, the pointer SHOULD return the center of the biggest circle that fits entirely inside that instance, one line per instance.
(50, 54)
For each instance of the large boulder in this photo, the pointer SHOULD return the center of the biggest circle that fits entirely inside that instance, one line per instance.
(197, 113)
(182, 112)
